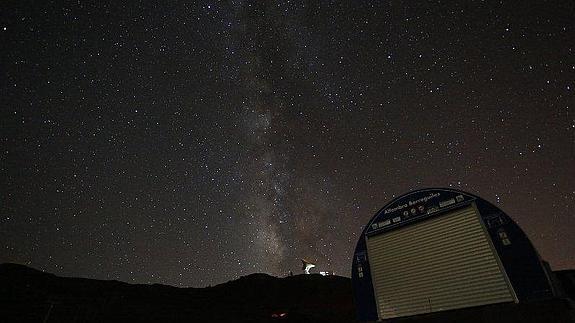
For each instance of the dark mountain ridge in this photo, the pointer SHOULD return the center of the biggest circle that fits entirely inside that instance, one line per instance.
(29, 295)
(35, 296)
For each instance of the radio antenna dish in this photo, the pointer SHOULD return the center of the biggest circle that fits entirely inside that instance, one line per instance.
(307, 265)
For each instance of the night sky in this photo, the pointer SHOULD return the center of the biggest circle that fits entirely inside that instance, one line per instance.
(190, 143)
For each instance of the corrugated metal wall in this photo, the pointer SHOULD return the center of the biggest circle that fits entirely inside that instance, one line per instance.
(439, 264)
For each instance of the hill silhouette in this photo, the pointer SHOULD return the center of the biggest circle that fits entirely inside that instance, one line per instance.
(34, 296)
(29, 295)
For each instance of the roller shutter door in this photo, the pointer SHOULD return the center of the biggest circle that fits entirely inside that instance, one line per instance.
(435, 265)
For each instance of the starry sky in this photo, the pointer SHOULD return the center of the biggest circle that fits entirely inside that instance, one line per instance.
(191, 143)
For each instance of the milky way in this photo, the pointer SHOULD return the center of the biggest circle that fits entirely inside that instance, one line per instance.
(193, 143)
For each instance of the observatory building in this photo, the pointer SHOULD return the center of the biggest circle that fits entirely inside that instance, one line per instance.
(441, 249)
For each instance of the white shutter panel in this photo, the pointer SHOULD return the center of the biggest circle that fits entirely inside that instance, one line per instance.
(438, 264)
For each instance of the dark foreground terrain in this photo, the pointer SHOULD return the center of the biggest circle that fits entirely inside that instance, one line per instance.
(28, 295)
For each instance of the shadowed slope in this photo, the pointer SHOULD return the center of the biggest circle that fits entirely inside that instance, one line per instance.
(29, 295)
(32, 295)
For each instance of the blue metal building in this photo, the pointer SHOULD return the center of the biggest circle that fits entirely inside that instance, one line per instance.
(442, 249)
